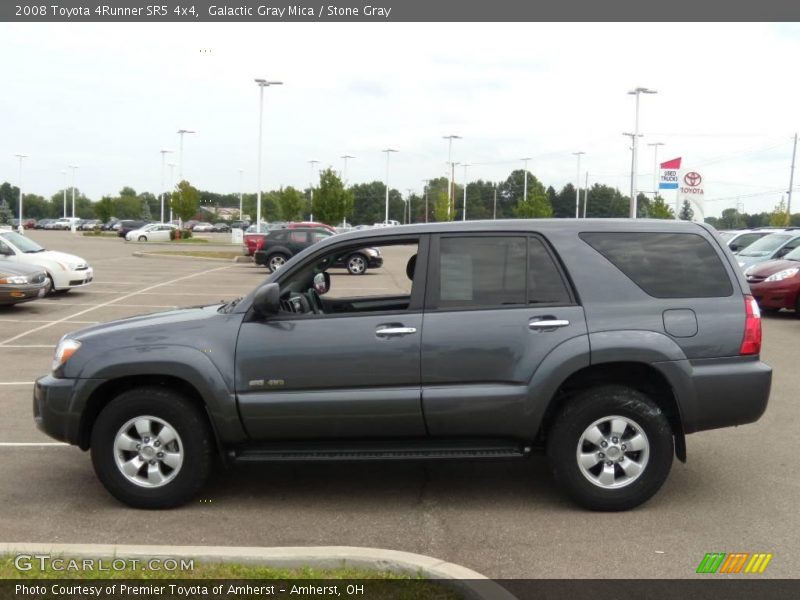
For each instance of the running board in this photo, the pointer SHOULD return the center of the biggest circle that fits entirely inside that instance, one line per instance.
(381, 451)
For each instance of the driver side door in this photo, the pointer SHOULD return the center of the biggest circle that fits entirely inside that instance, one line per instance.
(342, 375)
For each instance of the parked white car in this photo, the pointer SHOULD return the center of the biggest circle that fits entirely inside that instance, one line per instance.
(201, 227)
(63, 223)
(65, 271)
(154, 232)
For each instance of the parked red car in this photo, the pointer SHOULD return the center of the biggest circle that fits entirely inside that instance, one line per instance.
(775, 284)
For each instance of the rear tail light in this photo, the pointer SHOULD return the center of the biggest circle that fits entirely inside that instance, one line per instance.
(751, 343)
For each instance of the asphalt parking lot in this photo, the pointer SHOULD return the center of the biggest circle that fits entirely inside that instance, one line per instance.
(738, 492)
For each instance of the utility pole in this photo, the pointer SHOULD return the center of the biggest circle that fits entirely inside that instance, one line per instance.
(791, 178)
(427, 184)
(388, 152)
(451, 168)
(344, 170)
(578, 185)
(464, 208)
(311, 190)
(494, 210)
(585, 194)
(64, 173)
(655, 167)
(634, 184)
(525, 176)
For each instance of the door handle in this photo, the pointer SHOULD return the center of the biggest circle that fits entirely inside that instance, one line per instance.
(392, 331)
(548, 324)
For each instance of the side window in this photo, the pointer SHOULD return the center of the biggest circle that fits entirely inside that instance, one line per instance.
(298, 237)
(477, 272)
(280, 236)
(545, 284)
(665, 265)
(4, 249)
(318, 236)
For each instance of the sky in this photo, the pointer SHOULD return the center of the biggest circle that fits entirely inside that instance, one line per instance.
(109, 97)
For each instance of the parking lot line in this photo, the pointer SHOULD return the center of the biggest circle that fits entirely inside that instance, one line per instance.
(17, 382)
(115, 300)
(130, 295)
(27, 345)
(44, 321)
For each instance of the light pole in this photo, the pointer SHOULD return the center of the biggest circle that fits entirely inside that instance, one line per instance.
(464, 213)
(578, 185)
(344, 170)
(427, 183)
(634, 191)
(525, 175)
(171, 186)
(633, 137)
(181, 133)
(73, 167)
(20, 156)
(494, 209)
(450, 165)
(161, 195)
(64, 173)
(408, 203)
(311, 164)
(655, 167)
(262, 83)
(388, 154)
(241, 185)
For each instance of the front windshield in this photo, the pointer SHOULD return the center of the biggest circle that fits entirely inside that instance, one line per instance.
(22, 243)
(766, 245)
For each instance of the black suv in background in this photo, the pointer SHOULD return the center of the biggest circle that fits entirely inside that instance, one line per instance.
(603, 342)
(127, 225)
(281, 244)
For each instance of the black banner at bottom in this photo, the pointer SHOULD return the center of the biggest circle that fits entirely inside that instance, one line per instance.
(711, 588)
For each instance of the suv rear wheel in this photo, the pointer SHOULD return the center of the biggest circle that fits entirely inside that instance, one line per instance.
(611, 447)
(151, 448)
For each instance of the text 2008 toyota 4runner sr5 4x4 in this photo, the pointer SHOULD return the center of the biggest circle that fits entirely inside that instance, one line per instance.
(602, 341)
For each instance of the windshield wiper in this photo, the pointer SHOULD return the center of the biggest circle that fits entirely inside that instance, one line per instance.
(34, 251)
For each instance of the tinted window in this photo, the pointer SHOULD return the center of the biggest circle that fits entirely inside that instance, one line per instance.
(746, 239)
(279, 236)
(665, 265)
(544, 280)
(300, 237)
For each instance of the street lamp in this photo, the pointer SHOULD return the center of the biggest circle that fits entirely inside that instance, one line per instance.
(20, 156)
(241, 207)
(311, 164)
(634, 191)
(578, 185)
(262, 83)
(73, 167)
(464, 213)
(64, 173)
(161, 195)
(450, 167)
(427, 183)
(388, 154)
(525, 175)
(181, 133)
(171, 186)
(655, 166)
(344, 170)
(633, 137)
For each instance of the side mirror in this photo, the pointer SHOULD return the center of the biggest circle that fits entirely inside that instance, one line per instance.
(267, 300)
(734, 247)
(782, 252)
(322, 283)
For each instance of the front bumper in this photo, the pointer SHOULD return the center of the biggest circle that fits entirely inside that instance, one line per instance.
(778, 294)
(58, 407)
(13, 294)
(71, 279)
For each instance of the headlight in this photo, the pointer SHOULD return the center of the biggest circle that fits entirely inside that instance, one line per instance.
(15, 279)
(64, 351)
(785, 274)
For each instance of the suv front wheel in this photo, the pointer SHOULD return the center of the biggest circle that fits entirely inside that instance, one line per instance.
(611, 447)
(151, 448)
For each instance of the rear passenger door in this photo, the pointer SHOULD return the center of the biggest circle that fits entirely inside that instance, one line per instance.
(496, 305)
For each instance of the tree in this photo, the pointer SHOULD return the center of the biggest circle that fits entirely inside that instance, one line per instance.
(332, 202)
(292, 202)
(185, 200)
(5, 212)
(127, 191)
(441, 210)
(779, 216)
(687, 213)
(661, 210)
(104, 209)
(146, 216)
(731, 219)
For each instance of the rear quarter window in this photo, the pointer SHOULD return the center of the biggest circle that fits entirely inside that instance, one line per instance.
(665, 265)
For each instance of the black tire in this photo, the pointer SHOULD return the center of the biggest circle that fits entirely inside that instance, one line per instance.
(194, 444)
(576, 418)
(276, 257)
(52, 287)
(356, 264)
(142, 238)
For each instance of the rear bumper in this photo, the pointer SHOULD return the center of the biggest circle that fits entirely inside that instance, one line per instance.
(720, 392)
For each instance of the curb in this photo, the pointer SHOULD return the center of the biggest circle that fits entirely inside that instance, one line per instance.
(235, 259)
(470, 583)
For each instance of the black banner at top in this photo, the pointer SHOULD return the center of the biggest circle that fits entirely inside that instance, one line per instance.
(383, 11)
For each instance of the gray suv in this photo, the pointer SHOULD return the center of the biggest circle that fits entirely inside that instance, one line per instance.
(601, 342)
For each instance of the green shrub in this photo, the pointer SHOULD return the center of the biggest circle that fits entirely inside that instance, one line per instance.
(185, 234)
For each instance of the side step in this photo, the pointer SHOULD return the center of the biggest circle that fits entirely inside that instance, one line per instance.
(380, 450)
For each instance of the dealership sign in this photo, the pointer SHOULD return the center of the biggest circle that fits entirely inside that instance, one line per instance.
(691, 186)
(669, 174)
